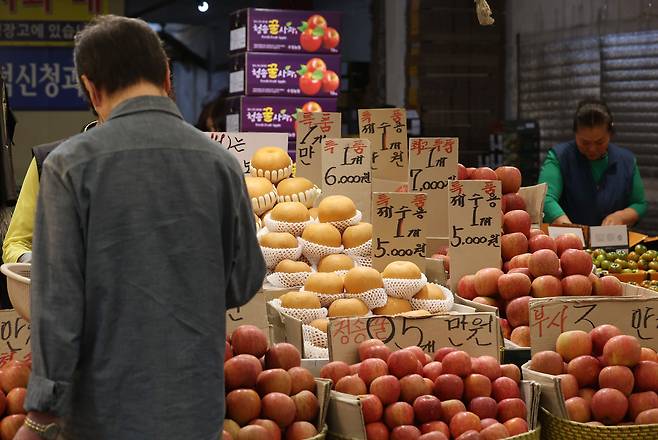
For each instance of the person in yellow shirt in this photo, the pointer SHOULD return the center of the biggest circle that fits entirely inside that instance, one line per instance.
(17, 246)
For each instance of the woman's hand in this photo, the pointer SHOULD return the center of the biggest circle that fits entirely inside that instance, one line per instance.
(626, 216)
(562, 220)
(615, 218)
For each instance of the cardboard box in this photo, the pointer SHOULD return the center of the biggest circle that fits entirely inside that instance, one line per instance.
(345, 417)
(271, 114)
(254, 312)
(284, 30)
(284, 74)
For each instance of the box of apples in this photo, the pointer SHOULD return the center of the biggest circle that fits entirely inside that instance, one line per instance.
(597, 380)
(407, 394)
(268, 393)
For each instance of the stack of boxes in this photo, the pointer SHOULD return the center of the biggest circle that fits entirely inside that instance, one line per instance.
(283, 62)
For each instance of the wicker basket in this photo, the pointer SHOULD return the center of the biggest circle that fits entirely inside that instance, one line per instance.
(555, 428)
(535, 434)
(18, 287)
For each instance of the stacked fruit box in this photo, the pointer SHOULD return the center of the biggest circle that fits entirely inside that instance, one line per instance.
(283, 62)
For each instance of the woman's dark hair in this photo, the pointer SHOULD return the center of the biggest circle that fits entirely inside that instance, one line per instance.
(592, 113)
(116, 52)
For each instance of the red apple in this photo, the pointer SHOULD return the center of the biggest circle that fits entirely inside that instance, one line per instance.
(274, 380)
(609, 406)
(283, 355)
(541, 241)
(486, 281)
(510, 178)
(494, 432)
(252, 432)
(458, 363)
(611, 286)
(587, 394)
(398, 413)
(576, 285)
(578, 410)
(546, 286)
(243, 405)
(279, 408)
(471, 434)
(451, 407)
(600, 335)
(448, 386)
(617, 377)
(483, 407)
(517, 311)
(441, 352)
(573, 343)
(427, 408)
(387, 388)
(649, 416)
(437, 426)
(413, 386)
(512, 371)
(300, 431)
(520, 261)
(372, 408)
(301, 379)
(466, 287)
(567, 241)
(521, 336)
(249, 339)
(513, 244)
(403, 362)
(586, 370)
(511, 202)
(272, 428)
(228, 351)
(335, 371)
(638, 402)
(622, 350)
(504, 388)
(516, 426)
(462, 174)
(372, 368)
(548, 362)
(432, 370)
(568, 385)
(510, 408)
(486, 365)
(517, 221)
(376, 431)
(505, 327)
(575, 262)
(648, 354)
(306, 405)
(513, 285)
(646, 376)
(365, 345)
(476, 385)
(241, 371)
(352, 384)
(544, 262)
(419, 353)
(405, 432)
(464, 421)
(483, 173)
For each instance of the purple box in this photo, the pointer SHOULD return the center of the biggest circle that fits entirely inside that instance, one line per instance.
(271, 113)
(284, 30)
(285, 74)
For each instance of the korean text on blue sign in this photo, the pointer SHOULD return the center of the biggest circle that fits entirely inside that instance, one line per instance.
(41, 78)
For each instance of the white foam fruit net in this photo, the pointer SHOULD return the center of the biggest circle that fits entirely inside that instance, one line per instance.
(274, 176)
(288, 280)
(435, 305)
(373, 298)
(313, 352)
(344, 224)
(315, 252)
(274, 256)
(263, 203)
(304, 315)
(295, 229)
(363, 261)
(314, 336)
(404, 288)
(362, 250)
(307, 197)
(325, 298)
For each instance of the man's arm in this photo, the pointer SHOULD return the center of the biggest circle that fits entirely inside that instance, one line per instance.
(552, 175)
(18, 240)
(248, 267)
(57, 299)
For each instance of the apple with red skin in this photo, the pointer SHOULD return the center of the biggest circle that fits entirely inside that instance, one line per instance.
(307, 406)
(276, 379)
(609, 406)
(436, 426)
(494, 432)
(272, 428)
(301, 379)
(397, 414)
(484, 407)
(512, 371)
(646, 376)
(279, 408)
(638, 402)
(233, 428)
(504, 388)
(432, 370)
(586, 370)
(546, 286)
(252, 432)
(517, 221)
(486, 365)
(578, 409)
(575, 262)
(283, 355)
(622, 350)
(403, 362)
(462, 174)
(330, 81)
(541, 241)
(511, 408)
(413, 386)
(476, 385)
(617, 377)
(510, 178)
(335, 371)
(601, 334)
(458, 363)
(372, 368)
(309, 85)
(513, 285)
(649, 416)
(451, 407)
(466, 287)
(516, 426)
(300, 430)
(648, 354)
(517, 311)
(471, 434)
(228, 351)
(464, 421)
(573, 343)
(512, 202)
(442, 352)
(483, 173)
(505, 327)
(513, 244)
(568, 241)
(547, 362)
(520, 261)
(387, 388)
(371, 407)
(241, 371)
(568, 385)
(576, 285)
(405, 432)
(331, 38)
(364, 349)
(351, 384)
(486, 281)
(544, 262)
(448, 387)
(309, 41)
(419, 353)
(434, 435)
(610, 286)
(521, 336)
(243, 405)
(427, 408)
(377, 431)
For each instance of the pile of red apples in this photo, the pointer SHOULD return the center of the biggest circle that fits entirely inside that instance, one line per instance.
(268, 394)
(408, 395)
(606, 377)
(534, 266)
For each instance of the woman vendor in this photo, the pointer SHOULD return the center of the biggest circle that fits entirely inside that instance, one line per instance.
(590, 180)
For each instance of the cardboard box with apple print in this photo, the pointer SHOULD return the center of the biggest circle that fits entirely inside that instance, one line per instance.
(271, 113)
(284, 30)
(284, 74)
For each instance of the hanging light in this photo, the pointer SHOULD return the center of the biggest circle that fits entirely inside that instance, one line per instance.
(202, 6)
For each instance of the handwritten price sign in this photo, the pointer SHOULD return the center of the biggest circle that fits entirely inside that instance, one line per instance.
(346, 171)
(386, 129)
(475, 333)
(399, 221)
(253, 313)
(14, 337)
(474, 215)
(244, 145)
(432, 166)
(636, 316)
(312, 129)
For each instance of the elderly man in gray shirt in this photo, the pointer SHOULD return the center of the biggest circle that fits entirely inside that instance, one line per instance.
(144, 237)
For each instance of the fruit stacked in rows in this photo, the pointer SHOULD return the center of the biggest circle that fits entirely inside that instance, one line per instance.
(406, 394)
(14, 377)
(606, 377)
(268, 393)
(639, 261)
(535, 266)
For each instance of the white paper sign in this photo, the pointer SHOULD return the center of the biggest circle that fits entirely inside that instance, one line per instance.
(608, 236)
(244, 144)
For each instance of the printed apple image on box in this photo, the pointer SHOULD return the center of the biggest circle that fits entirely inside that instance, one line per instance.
(283, 30)
(272, 113)
(283, 74)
